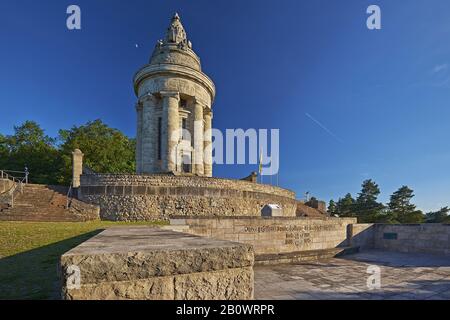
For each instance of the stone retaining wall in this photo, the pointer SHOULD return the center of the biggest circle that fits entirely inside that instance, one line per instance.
(361, 235)
(423, 238)
(84, 211)
(146, 197)
(273, 235)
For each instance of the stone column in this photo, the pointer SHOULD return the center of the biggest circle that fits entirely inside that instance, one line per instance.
(77, 167)
(172, 126)
(148, 139)
(198, 138)
(139, 138)
(207, 157)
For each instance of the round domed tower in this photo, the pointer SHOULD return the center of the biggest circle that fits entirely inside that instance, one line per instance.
(174, 109)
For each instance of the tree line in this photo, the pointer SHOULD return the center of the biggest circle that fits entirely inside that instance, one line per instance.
(107, 150)
(49, 159)
(399, 209)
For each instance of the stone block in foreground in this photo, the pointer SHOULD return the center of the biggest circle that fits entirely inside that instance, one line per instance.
(152, 264)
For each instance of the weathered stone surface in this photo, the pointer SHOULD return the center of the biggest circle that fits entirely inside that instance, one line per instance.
(361, 235)
(404, 276)
(146, 197)
(156, 288)
(422, 238)
(236, 284)
(311, 209)
(303, 256)
(77, 167)
(149, 263)
(275, 234)
(173, 94)
(46, 203)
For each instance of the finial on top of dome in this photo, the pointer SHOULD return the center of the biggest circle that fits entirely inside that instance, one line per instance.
(175, 32)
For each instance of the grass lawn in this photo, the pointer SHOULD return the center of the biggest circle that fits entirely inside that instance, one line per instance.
(29, 252)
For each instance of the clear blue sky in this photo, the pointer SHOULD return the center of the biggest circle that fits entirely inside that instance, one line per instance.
(383, 96)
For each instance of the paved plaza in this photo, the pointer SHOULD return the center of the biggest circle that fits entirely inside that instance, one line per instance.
(404, 276)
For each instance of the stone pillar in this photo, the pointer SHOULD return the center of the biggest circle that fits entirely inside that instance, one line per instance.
(198, 138)
(148, 139)
(77, 167)
(172, 125)
(139, 138)
(207, 157)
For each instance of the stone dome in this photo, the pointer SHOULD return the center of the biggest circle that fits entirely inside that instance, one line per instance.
(175, 48)
(174, 66)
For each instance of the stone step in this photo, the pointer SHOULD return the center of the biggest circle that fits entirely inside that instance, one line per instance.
(27, 206)
(18, 204)
(177, 228)
(38, 203)
(303, 256)
(44, 203)
(33, 211)
(12, 216)
(37, 194)
(42, 218)
(31, 201)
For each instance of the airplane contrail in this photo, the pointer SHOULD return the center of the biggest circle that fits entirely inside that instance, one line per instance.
(324, 128)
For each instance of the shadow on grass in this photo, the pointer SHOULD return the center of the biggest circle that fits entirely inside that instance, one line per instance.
(33, 274)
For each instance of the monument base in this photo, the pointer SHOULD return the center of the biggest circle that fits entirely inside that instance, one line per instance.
(143, 263)
(127, 197)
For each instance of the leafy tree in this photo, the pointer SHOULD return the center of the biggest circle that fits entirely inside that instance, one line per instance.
(401, 209)
(366, 208)
(332, 208)
(4, 153)
(440, 216)
(106, 150)
(345, 206)
(30, 147)
(29, 134)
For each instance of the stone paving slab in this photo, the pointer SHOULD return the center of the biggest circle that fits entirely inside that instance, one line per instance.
(404, 276)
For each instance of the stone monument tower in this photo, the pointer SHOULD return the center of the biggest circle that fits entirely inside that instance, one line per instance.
(174, 109)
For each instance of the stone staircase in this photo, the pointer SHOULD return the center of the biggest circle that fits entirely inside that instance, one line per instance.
(47, 203)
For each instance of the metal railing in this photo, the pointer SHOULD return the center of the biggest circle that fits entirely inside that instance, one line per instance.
(69, 196)
(8, 196)
(6, 174)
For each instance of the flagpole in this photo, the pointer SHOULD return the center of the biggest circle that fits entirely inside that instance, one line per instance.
(271, 175)
(260, 165)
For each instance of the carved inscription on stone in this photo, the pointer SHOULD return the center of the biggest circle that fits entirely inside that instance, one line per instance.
(298, 239)
(296, 235)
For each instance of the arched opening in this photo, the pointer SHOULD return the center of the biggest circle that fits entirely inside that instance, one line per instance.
(186, 165)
